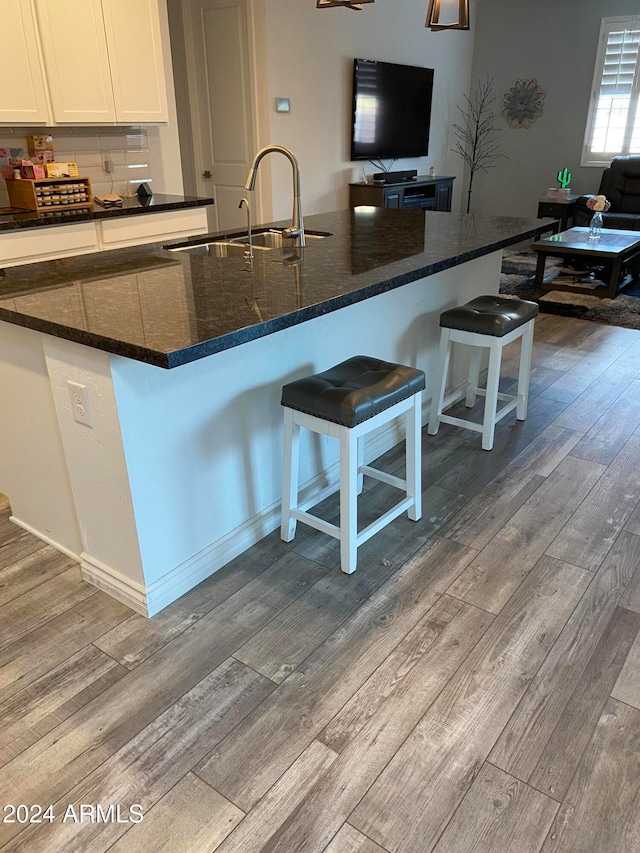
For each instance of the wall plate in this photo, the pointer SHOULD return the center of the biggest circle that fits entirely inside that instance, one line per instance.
(283, 105)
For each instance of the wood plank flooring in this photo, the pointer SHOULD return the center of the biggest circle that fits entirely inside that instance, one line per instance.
(473, 688)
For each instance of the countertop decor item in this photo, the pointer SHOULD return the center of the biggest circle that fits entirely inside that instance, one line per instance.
(107, 201)
(476, 139)
(564, 178)
(598, 204)
(438, 21)
(522, 103)
(328, 4)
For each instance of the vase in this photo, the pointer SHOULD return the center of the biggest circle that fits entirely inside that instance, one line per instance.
(595, 226)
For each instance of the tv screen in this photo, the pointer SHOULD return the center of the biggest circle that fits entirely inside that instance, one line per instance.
(391, 110)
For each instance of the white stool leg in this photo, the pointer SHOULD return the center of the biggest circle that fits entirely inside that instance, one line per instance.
(491, 400)
(474, 377)
(437, 398)
(348, 500)
(360, 464)
(290, 464)
(414, 457)
(524, 373)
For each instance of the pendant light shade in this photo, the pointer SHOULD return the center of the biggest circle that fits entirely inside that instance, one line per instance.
(448, 15)
(328, 4)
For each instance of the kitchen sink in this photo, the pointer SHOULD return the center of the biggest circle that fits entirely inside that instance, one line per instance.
(274, 239)
(230, 247)
(215, 249)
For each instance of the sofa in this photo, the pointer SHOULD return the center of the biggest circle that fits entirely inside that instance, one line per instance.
(620, 183)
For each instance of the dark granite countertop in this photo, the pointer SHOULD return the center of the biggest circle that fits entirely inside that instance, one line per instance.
(170, 308)
(130, 207)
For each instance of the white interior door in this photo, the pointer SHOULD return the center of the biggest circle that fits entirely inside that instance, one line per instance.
(220, 69)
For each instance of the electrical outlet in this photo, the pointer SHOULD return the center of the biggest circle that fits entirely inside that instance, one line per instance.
(108, 166)
(80, 403)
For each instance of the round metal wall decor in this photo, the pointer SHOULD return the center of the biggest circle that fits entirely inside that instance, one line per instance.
(522, 103)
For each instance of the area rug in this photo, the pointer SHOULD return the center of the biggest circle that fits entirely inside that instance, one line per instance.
(518, 270)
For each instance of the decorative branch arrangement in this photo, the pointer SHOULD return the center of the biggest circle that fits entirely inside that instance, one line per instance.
(476, 135)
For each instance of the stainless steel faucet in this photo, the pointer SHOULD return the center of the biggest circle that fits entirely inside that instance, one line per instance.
(248, 252)
(297, 228)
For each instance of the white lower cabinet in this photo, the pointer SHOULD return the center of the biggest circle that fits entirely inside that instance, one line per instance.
(168, 225)
(43, 244)
(26, 246)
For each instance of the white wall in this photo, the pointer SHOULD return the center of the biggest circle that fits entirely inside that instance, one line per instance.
(310, 59)
(556, 43)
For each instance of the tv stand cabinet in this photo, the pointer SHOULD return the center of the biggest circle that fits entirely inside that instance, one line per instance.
(423, 193)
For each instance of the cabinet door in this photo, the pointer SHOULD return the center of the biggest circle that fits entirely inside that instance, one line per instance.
(393, 198)
(443, 200)
(22, 93)
(76, 61)
(134, 42)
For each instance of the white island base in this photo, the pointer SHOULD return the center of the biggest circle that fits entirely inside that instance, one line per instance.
(180, 470)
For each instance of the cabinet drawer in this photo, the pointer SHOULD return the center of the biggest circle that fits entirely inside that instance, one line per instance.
(551, 209)
(26, 247)
(153, 227)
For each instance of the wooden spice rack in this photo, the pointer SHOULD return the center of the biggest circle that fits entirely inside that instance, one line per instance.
(50, 194)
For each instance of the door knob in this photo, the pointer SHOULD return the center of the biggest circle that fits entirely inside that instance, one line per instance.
(207, 174)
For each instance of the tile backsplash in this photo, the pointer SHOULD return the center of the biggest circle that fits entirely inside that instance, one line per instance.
(89, 147)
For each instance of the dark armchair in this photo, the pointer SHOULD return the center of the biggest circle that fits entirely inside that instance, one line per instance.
(620, 183)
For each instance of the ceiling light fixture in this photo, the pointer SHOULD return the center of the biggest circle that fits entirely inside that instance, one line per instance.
(448, 15)
(349, 4)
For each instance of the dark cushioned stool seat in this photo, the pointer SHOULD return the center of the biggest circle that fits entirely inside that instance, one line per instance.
(354, 390)
(490, 315)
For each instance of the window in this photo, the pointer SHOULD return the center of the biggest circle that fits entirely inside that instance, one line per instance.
(613, 125)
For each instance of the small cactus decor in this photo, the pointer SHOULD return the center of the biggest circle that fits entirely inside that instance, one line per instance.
(564, 177)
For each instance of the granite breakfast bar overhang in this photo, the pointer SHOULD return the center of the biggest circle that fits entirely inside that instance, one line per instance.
(183, 357)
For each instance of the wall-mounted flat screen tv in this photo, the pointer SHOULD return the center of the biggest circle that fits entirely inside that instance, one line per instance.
(391, 110)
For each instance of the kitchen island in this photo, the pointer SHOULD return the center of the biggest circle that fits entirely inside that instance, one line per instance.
(183, 355)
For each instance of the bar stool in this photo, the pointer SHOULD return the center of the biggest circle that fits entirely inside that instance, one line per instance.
(491, 322)
(348, 401)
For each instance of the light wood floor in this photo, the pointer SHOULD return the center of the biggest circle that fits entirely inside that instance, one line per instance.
(474, 686)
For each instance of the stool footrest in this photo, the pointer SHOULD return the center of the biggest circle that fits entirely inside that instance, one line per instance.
(383, 477)
(318, 523)
(332, 530)
(501, 413)
(482, 392)
(386, 518)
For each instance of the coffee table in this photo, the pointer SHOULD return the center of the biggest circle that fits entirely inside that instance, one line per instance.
(614, 248)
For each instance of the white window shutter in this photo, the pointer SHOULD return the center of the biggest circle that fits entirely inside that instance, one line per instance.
(612, 127)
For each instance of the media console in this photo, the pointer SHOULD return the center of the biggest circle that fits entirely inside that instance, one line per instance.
(423, 193)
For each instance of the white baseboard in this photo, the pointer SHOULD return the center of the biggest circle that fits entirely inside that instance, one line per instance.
(115, 584)
(43, 536)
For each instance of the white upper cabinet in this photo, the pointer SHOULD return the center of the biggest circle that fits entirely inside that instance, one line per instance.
(134, 43)
(103, 60)
(23, 97)
(76, 60)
